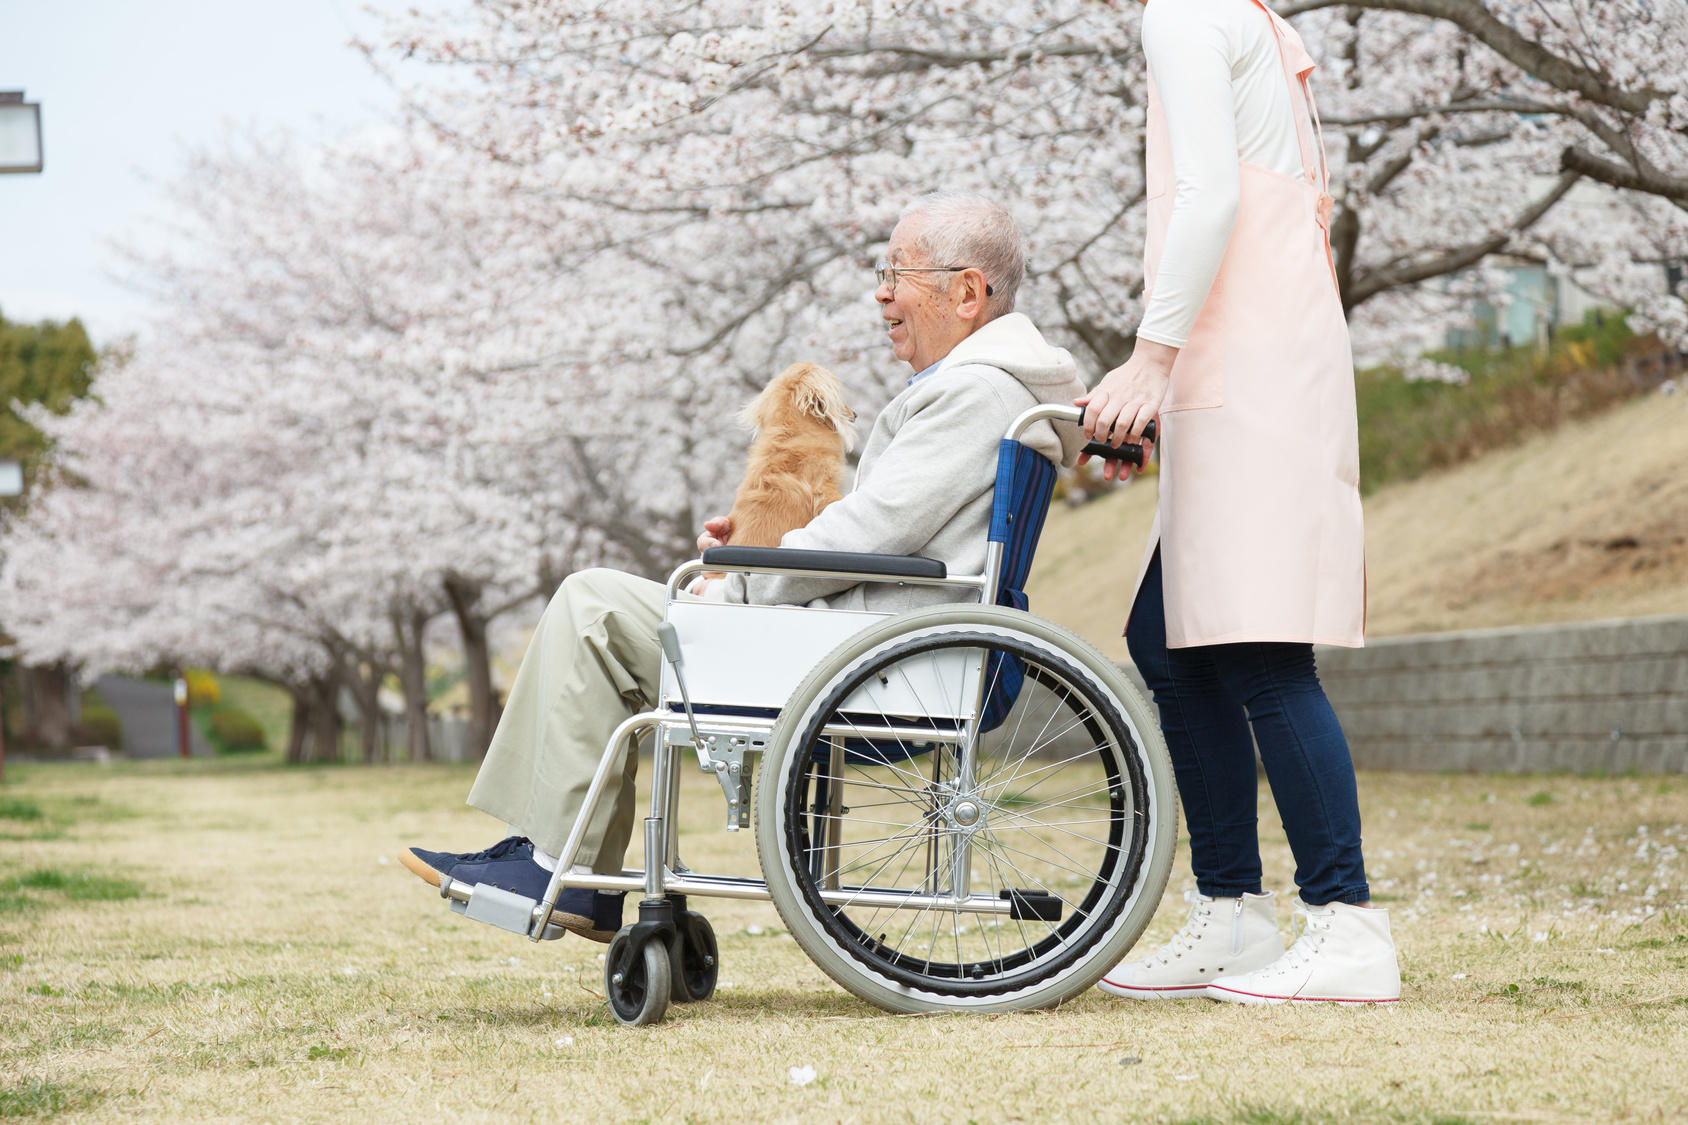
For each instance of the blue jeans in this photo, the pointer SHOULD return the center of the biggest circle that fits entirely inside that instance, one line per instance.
(1208, 697)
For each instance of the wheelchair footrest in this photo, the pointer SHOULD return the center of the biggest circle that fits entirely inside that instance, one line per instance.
(1030, 906)
(504, 909)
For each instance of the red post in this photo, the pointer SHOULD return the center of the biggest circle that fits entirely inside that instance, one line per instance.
(182, 716)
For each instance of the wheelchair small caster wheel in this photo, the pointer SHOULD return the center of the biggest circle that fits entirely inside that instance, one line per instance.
(694, 957)
(637, 979)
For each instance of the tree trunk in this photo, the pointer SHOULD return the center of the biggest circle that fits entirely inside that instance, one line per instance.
(408, 625)
(46, 706)
(364, 678)
(326, 725)
(300, 726)
(465, 599)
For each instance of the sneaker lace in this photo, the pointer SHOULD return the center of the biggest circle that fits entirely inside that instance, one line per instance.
(498, 851)
(1185, 939)
(1310, 930)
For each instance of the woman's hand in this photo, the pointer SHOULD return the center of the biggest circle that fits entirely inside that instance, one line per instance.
(1128, 398)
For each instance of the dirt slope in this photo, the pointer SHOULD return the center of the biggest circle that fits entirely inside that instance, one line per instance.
(1587, 523)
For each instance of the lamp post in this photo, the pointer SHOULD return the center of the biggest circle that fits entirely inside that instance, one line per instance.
(11, 484)
(20, 133)
(20, 151)
(180, 690)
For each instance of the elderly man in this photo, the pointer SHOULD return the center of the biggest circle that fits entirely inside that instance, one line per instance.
(923, 486)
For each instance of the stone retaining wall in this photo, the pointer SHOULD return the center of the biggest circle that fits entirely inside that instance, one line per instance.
(1607, 697)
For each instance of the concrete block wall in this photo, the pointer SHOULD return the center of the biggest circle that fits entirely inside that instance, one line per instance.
(1606, 697)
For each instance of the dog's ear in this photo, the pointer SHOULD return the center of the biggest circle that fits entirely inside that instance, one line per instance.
(820, 394)
(809, 389)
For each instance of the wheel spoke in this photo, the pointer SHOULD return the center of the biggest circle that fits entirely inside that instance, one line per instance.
(1043, 815)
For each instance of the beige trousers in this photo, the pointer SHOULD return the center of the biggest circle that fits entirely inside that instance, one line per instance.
(593, 662)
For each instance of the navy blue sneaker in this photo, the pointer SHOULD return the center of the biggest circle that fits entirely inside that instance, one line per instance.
(431, 865)
(509, 866)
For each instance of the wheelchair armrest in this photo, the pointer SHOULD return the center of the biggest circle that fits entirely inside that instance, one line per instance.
(843, 562)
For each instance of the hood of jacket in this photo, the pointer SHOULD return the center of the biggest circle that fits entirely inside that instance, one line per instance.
(1013, 344)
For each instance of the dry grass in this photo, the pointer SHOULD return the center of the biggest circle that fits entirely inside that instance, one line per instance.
(1584, 524)
(278, 966)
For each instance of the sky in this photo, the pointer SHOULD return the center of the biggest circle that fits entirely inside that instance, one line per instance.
(126, 87)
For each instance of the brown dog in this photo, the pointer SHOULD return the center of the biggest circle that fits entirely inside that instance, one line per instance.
(803, 429)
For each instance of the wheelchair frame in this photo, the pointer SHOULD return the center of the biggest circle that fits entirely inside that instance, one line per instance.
(675, 944)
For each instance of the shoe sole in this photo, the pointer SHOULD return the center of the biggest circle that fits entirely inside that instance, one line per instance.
(1233, 996)
(577, 924)
(419, 867)
(1137, 992)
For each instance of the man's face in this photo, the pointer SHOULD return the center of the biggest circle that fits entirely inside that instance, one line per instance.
(921, 317)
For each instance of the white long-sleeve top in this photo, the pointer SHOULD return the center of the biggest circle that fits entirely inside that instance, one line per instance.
(1225, 98)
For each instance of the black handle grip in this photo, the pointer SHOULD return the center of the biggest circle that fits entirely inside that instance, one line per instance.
(1130, 453)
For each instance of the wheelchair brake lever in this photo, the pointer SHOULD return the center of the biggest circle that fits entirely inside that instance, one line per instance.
(670, 638)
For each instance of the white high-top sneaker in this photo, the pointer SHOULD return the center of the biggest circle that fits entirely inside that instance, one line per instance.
(1222, 935)
(1344, 955)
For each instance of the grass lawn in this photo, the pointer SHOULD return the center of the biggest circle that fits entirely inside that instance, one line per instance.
(231, 940)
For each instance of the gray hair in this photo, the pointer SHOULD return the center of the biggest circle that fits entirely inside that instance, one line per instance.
(964, 229)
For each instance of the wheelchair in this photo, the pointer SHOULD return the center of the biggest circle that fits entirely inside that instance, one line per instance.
(956, 808)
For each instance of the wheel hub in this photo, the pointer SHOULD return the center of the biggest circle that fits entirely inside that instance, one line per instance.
(964, 814)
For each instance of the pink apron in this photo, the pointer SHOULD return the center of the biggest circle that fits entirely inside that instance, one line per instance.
(1259, 523)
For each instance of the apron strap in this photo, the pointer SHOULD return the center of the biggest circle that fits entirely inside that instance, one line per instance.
(1313, 164)
(1296, 78)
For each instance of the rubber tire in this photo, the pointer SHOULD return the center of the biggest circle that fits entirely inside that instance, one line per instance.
(841, 965)
(694, 958)
(641, 998)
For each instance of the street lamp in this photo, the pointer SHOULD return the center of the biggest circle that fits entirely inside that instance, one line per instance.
(11, 484)
(20, 133)
(20, 151)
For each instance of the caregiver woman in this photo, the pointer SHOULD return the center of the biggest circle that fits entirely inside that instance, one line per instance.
(1257, 553)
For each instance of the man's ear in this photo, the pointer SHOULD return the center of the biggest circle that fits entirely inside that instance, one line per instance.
(973, 295)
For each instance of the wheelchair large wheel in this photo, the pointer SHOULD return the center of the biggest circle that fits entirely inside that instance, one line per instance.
(928, 860)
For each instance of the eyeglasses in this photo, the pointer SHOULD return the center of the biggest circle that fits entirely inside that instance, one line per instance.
(887, 274)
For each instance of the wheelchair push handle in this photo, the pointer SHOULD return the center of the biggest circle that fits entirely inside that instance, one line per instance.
(1131, 453)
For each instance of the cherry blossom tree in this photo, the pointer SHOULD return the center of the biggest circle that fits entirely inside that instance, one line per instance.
(340, 418)
(729, 127)
(412, 379)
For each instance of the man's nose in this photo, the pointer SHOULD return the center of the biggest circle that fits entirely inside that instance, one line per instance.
(883, 293)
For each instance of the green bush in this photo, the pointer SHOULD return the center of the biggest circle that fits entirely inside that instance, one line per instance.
(1410, 428)
(100, 726)
(234, 731)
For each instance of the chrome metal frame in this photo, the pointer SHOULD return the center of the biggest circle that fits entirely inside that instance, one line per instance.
(672, 732)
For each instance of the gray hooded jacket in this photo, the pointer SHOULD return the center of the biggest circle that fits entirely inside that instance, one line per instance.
(927, 472)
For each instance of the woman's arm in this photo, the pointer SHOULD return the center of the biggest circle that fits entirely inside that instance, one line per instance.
(1190, 59)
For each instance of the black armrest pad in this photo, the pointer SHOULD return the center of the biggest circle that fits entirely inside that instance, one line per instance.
(890, 566)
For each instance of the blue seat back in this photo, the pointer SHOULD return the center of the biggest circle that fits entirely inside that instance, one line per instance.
(1025, 479)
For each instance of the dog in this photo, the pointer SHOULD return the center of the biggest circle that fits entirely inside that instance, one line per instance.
(796, 467)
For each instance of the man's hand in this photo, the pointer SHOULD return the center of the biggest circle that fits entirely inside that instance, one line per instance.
(716, 531)
(1126, 400)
